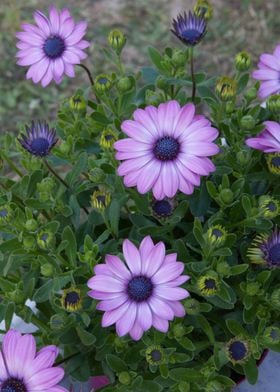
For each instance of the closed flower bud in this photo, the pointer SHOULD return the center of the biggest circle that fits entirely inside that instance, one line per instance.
(96, 175)
(203, 9)
(116, 40)
(102, 83)
(243, 157)
(268, 207)
(248, 123)
(253, 288)
(275, 299)
(192, 306)
(226, 88)
(78, 103)
(100, 200)
(251, 93)
(273, 104)
(46, 185)
(216, 235)
(179, 330)
(47, 270)
(124, 378)
(271, 335)
(242, 61)
(71, 299)
(152, 98)
(161, 82)
(28, 243)
(179, 58)
(223, 268)
(65, 148)
(273, 163)
(124, 84)
(44, 239)
(227, 196)
(108, 138)
(31, 225)
(230, 106)
(263, 313)
(208, 285)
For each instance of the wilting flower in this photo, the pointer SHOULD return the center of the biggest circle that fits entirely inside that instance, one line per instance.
(5, 213)
(242, 61)
(268, 73)
(268, 140)
(273, 163)
(167, 149)
(265, 250)
(100, 200)
(71, 299)
(141, 294)
(237, 350)
(163, 208)
(216, 235)
(155, 355)
(22, 370)
(39, 139)
(189, 28)
(108, 138)
(226, 88)
(53, 47)
(208, 285)
(268, 207)
(102, 83)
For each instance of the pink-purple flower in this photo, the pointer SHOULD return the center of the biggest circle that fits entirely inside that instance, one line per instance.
(167, 149)
(269, 73)
(52, 47)
(22, 370)
(143, 292)
(268, 140)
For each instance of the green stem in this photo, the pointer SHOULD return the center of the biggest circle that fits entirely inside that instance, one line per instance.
(192, 75)
(88, 73)
(11, 164)
(120, 65)
(40, 324)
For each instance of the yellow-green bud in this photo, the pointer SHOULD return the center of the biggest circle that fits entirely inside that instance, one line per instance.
(273, 104)
(124, 378)
(242, 61)
(31, 225)
(116, 40)
(227, 196)
(102, 83)
(44, 239)
(203, 9)
(179, 58)
(78, 103)
(47, 270)
(248, 122)
(226, 88)
(230, 106)
(124, 84)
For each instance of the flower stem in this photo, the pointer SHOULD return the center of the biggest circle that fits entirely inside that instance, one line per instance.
(88, 73)
(192, 74)
(11, 164)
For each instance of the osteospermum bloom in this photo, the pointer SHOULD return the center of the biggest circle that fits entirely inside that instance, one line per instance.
(237, 350)
(266, 250)
(141, 294)
(268, 140)
(167, 149)
(268, 73)
(189, 28)
(22, 370)
(39, 139)
(51, 47)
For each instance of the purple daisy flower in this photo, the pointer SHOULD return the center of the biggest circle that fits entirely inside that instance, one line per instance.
(141, 294)
(22, 370)
(189, 28)
(166, 150)
(53, 47)
(268, 73)
(268, 140)
(39, 139)
(265, 250)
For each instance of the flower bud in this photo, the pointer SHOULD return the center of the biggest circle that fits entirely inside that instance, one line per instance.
(263, 313)
(273, 104)
(179, 330)
(253, 288)
(31, 225)
(65, 148)
(96, 175)
(243, 157)
(230, 107)
(227, 196)
(102, 83)
(226, 88)
(242, 61)
(216, 235)
(124, 84)
(100, 200)
(28, 243)
(108, 138)
(152, 98)
(223, 268)
(78, 103)
(203, 9)
(116, 40)
(161, 82)
(271, 335)
(251, 93)
(5, 214)
(273, 163)
(179, 58)
(124, 378)
(57, 321)
(248, 123)
(275, 299)
(192, 306)
(47, 270)
(268, 207)
(44, 239)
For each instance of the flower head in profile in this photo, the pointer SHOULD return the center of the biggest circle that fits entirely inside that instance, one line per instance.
(52, 47)
(143, 292)
(39, 139)
(22, 370)
(189, 28)
(268, 73)
(268, 140)
(167, 149)
(265, 250)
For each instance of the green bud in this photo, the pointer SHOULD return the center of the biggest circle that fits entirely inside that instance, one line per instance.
(124, 378)
(44, 239)
(97, 175)
(242, 61)
(116, 40)
(31, 225)
(275, 299)
(223, 268)
(192, 306)
(161, 82)
(65, 148)
(179, 330)
(243, 157)
(57, 321)
(203, 9)
(253, 288)
(46, 185)
(227, 196)
(263, 313)
(251, 93)
(273, 104)
(102, 83)
(230, 106)
(179, 58)
(226, 88)
(184, 386)
(124, 84)
(28, 242)
(271, 335)
(78, 103)
(47, 270)
(248, 123)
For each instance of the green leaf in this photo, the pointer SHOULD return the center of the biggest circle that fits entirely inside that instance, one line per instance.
(86, 337)
(10, 309)
(235, 328)
(238, 269)
(116, 363)
(42, 294)
(206, 327)
(246, 204)
(186, 343)
(150, 386)
(80, 166)
(71, 249)
(251, 371)
(156, 58)
(184, 374)
(114, 216)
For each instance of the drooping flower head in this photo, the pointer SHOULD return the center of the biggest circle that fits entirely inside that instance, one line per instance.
(265, 250)
(22, 370)
(268, 73)
(39, 139)
(166, 150)
(189, 28)
(51, 47)
(141, 294)
(268, 140)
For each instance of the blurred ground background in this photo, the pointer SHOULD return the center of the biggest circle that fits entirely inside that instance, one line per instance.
(236, 25)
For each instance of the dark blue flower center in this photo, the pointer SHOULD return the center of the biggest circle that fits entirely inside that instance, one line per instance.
(217, 233)
(191, 36)
(44, 237)
(162, 207)
(72, 298)
(238, 350)
(54, 46)
(101, 199)
(140, 288)
(166, 148)
(156, 355)
(102, 80)
(109, 137)
(274, 254)
(274, 334)
(3, 213)
(210, 283)
(40, 146)
(271, 206)
(276, 161)
(13, 385)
